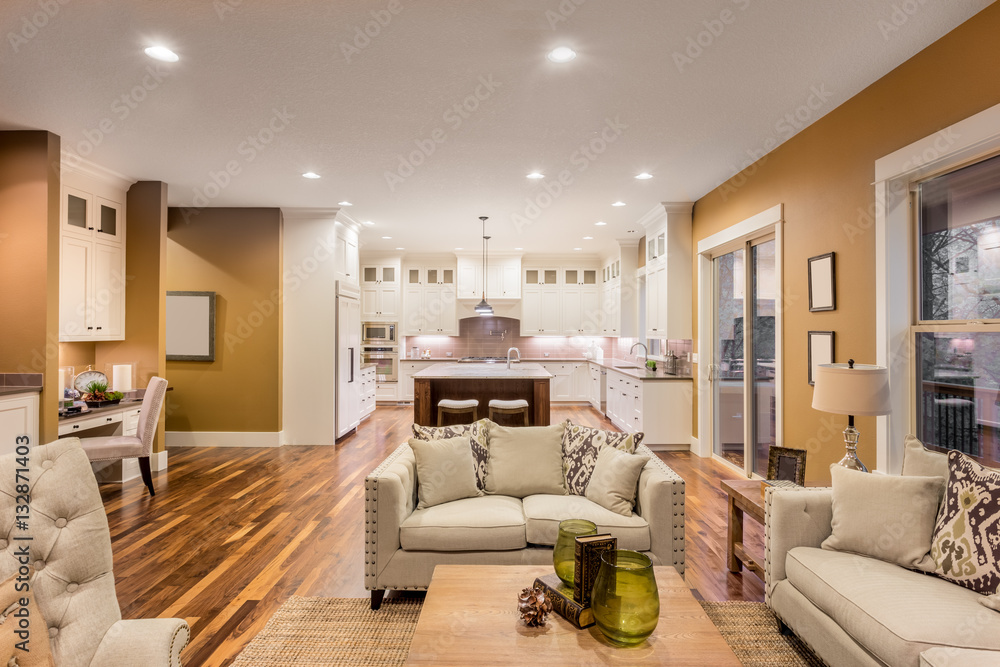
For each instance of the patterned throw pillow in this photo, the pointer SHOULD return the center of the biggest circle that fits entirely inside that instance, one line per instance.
(477, 432)
(581, 445)
(966, 541)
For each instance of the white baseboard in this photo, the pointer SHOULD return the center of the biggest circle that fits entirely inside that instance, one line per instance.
(223, 439)
(696, 445)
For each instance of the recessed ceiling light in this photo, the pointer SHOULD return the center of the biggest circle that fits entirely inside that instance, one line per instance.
(310, 174)
(535, 174)
(387, 238)
(588, 238)
(644, 176)
(518, 248)
(400, 248)
(344, 203)
(368, 223)
(162, 53)
(563, 54)
(577, 248)
(600, 223)
(619, 203)
(459, 248)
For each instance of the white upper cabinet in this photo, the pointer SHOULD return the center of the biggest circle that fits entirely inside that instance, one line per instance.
(503, 277)
(347, 268)
(91, 262)
(668, 272)
(380, 292)
(429, 301)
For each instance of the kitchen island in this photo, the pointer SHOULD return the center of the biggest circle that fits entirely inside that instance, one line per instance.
(483, 382)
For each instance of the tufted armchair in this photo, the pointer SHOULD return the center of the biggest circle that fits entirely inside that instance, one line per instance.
(72, 576)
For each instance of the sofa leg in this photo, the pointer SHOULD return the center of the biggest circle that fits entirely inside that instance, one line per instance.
(377, 599)
(785, 630)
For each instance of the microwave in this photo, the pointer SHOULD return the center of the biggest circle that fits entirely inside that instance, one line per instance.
(378, 332)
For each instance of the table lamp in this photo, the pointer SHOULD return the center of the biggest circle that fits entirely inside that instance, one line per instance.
(851, 389)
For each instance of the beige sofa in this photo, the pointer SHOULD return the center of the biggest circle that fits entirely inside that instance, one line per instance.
(856, 610)
(403, 544)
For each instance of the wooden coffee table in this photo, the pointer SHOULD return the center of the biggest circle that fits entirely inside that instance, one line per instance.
(470, 618)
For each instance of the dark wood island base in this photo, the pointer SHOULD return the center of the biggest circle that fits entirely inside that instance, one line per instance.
(428, 391)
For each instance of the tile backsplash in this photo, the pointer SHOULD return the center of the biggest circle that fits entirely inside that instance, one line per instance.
(492, 336)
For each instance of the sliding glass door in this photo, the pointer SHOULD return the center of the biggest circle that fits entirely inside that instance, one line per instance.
(744, 412)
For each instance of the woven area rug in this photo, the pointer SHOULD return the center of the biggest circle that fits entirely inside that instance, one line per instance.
(315, 632)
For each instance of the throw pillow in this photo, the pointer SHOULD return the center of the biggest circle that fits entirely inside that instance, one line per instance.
(525, 460)
(991, 601)
(613, 482)
(884, 516)
(479, 434)
(445, 471)
(39, 653)
(581, 445)
(921, 462)
(966, 543)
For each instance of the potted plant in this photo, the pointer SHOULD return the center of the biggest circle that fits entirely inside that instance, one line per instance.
(98, 396)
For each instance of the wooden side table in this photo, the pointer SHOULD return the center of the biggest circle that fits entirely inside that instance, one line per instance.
(744, 498)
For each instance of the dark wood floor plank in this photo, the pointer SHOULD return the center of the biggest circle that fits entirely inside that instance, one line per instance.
(233, 532)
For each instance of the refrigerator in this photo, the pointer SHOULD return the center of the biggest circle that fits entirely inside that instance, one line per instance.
(348, 362)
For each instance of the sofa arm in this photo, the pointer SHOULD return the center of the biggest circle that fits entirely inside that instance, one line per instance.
(660, 501)
(793, 517)
(148, 642)
(390, 496)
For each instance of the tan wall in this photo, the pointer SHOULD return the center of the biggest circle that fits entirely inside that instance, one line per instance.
(237, 254)
(823, 177)
(145, 294)
(29, 245)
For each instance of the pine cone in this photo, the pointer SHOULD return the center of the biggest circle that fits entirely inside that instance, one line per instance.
(534, 606)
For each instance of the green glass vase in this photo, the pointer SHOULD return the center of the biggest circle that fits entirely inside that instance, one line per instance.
(564, 553)
(626, 601)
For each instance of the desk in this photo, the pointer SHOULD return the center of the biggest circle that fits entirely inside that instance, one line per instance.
(126, 414)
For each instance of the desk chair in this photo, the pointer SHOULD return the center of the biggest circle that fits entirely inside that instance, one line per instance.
(140, 445)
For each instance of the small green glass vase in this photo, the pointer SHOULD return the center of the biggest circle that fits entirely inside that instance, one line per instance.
(626, 601)
(564, 553)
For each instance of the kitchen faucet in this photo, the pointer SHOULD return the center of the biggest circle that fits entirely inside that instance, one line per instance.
(645, 352)
(513, 349)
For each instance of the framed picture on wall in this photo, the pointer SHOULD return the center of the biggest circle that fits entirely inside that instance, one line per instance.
(820, 351)
(822, 283)
(190, 326)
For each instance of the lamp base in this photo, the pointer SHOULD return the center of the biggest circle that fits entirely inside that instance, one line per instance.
(851, 460)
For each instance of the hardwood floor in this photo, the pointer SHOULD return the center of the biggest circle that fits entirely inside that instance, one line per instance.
(233, 532)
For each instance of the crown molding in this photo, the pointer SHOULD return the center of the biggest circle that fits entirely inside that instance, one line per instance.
(71, 162)
(293, 213)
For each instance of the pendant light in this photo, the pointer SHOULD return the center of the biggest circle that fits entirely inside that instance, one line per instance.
(482, 307)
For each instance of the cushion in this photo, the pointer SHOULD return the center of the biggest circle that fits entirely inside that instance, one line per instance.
(966, 542)
(445, 470)
(581, 445)
(525, 460)
(941, 656)
(884, 516)
(991, 601)
(894, 613)
(478, 432)
(39, 652)
(613, 482)
(491, 523)
(544, 512)
(921, 462)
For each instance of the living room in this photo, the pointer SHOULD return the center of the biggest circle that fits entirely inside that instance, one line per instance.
(258, 515)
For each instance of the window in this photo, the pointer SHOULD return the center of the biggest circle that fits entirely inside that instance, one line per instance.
(957, 334)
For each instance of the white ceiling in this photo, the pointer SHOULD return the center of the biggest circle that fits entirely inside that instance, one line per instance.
(350, 119)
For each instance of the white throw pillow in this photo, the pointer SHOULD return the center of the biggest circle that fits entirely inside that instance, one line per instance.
(613, 483)
(446, 470)
(919, 461)
(525, 460)
(887, 517)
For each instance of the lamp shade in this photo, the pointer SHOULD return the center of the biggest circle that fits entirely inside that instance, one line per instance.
(862, 390)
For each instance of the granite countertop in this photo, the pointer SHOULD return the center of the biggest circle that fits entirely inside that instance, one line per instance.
(93, 412)
(484, 371)
(20, 383)
(639, 372)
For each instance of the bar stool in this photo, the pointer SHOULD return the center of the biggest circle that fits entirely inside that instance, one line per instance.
(519, 406)
(457, 407)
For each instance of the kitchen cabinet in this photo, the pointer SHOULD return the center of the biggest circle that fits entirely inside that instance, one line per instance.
(346, 263)
(18, 416)
(571, 381)
(581, 311)
(380, 292)
(503, 277)
(661, 409)
(429, 305)
(368, 388)
(668, 272)
(407, 367)
(619, 292)
(597, 386)
(541, 311)
(91, 267)
(611, 304)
